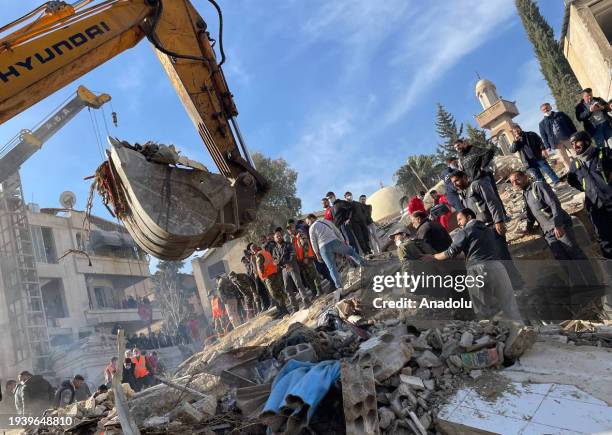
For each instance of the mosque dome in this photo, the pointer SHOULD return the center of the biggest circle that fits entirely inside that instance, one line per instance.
(385, 202)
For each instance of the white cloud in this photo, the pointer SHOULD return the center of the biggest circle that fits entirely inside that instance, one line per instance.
(438, 39)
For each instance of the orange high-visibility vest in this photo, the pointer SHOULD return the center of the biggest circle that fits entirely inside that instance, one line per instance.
(299, 250)
(217, 310)
(269, 266)
(140, 367)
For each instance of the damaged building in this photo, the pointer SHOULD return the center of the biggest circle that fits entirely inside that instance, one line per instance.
(89, 272)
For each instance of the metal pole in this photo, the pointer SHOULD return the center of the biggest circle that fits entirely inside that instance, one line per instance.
(242, 143)
(416, 175)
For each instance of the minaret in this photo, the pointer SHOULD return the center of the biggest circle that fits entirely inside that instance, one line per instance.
(497, 114)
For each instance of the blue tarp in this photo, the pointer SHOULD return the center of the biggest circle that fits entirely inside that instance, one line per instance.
(301, 384)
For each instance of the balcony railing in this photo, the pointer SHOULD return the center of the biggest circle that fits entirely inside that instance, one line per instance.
(501, 107)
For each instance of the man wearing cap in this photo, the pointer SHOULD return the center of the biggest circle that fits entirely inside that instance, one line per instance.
(591, 173)
(409, 250)
(593, 113)
(246, 287)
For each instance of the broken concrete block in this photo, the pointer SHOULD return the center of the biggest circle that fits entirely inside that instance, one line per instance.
(207, 405)
(414, 381)
(406, 371)
(475, 374)
(423, 373)
(186, 413)
(429, 384)
(428, 359)
(101, 398)
(386, 354)
(385, 417)
(359, 399)
(467, 338)
(155, 422)
(300, 352)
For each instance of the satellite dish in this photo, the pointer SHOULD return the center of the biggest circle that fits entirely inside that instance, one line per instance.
(68, 199)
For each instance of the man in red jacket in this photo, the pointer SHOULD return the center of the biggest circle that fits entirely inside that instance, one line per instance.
(416, 203)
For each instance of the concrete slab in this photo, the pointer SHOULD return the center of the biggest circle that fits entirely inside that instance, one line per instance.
(520, 409)
(586, 367)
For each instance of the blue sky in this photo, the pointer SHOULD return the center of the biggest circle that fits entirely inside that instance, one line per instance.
(344, 90)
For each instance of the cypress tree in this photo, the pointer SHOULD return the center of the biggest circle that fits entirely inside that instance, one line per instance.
(553, 64)
(447, 130)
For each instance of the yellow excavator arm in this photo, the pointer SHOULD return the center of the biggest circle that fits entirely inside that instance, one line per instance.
(61, 42)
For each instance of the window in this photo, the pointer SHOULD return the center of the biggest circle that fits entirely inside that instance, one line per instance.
(216, 269)
(54, 301)
(602, 11)
(44, 244)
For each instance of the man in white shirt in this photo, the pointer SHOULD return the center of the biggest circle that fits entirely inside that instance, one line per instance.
(327, 241)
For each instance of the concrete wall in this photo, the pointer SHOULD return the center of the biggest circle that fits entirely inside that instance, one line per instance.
(588, 51)
(230, 254)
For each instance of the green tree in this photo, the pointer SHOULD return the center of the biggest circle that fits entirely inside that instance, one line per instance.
(447, 130)
(280, 202)
(169, 294)
(478, 137)
(553, 64)
(419, 173)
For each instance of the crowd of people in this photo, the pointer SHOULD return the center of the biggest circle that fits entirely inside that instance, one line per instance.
(31, 395)
(286, 268)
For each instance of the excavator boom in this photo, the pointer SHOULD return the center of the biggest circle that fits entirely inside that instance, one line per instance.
(66, 41)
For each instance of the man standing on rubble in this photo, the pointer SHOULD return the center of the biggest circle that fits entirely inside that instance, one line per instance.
(342, 213)
(480, 196)
(374, 241)
(494, 299)
(306, 259)
(544, 207)
(229, 296)
(591, 173)
(530, 148)
(285, 259)
(272, 279)
(142, 374)
(556, 128)
(449, 187)
(359, 223)
(247, 288)
(326, 242)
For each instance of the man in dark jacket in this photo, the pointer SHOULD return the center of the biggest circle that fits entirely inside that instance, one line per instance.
(593, 113)
(479, 196)
(591, 173)
(127, 376)
(342, 213)
(474, 161)
(359, 223)
(36, 393)
(285, 259)
(496, 297)
(556, 128)
(372, 228)
(431, 232)
(449, 188)
(544, 207)
(530, 148)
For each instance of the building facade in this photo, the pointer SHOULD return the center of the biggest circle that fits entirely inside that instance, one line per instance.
(91, 280)
(214, 262)
(585, 39)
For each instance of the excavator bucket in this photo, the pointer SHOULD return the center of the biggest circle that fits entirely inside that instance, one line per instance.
(169, 211)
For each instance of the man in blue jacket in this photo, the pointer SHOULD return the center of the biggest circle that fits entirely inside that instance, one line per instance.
(556, 128)
(449, 187)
